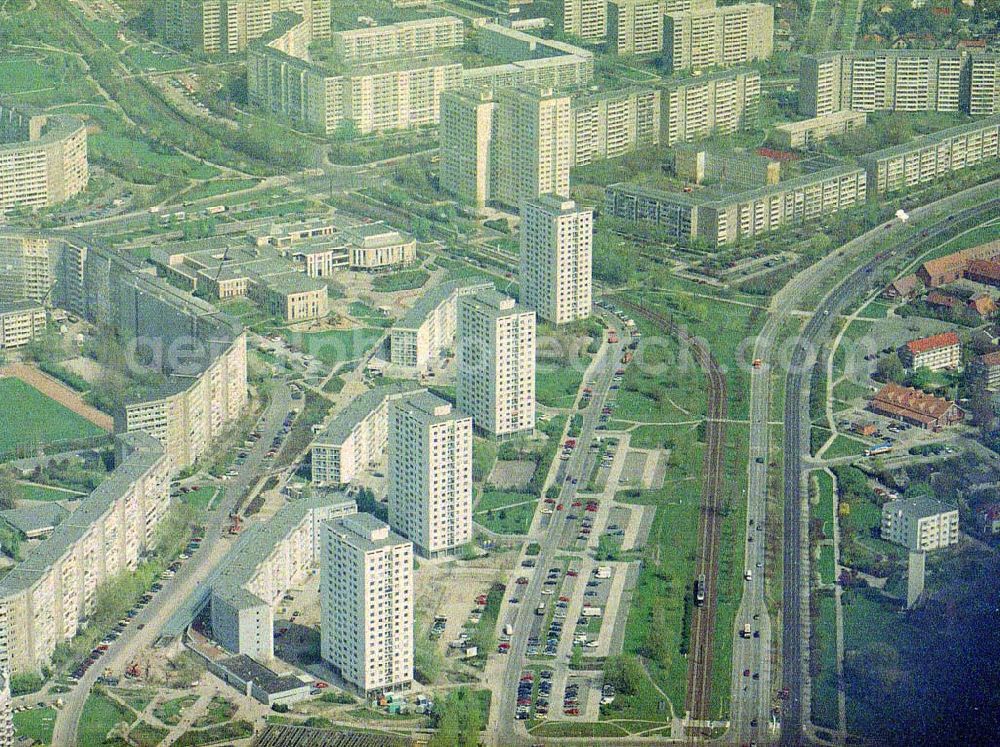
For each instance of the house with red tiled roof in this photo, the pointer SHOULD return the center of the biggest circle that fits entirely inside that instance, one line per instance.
(905, 287)
(937, 272)
(984, 271)
(939, 300)
(982, 305)
(915, 407)
(935, 352)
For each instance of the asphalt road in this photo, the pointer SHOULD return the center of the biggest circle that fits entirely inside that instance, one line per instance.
(184, 593)
(506, 729)
(796, 421)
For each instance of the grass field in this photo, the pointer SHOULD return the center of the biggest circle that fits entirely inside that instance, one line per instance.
(202, 497)
(407, 280)
(30, 418)
(494, 499)
(824, 688)
(824, 509)
(43, 493)
(36, 723)
(100, 714)
(557, 387)
(145, 734)
(827, 566)
(125, 150)
(337, 346)
(514, 520)
(216, 187)
(843, 446)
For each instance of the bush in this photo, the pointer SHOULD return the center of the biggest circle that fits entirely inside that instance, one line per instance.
(22, 684)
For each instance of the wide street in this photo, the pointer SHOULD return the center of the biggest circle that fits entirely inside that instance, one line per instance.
(503, 728)
(174, 606)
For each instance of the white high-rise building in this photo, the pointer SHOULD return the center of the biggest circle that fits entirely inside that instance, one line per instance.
(556, 238)
(366, 603)
(430, 473)
(496, 363)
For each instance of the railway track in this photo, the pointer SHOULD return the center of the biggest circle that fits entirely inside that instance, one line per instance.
(699, 680)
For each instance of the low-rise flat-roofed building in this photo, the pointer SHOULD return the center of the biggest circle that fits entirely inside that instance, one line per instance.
(35, 521)
(724, 218)
(366, 604)
(612, 123)
(718, 37)
(269, 559)
(376, 246)
(717, 104)
(935, 352)
(807, 132)
(931, 157)
(915, 407)
(920, 524)
(43, 159)
(20, 323)
(225, 272)
(45, 599)
(430, 473)
(285, 235)
(428, 329)
(357, 436)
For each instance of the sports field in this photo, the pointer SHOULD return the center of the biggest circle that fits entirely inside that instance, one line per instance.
(30, 418)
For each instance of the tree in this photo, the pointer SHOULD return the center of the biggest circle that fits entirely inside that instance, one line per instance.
(10, 491)
(890, 368)
(626, 673)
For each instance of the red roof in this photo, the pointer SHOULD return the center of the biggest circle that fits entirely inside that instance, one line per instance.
(990, 359)
(906, 402)
(987, 269)
(937, 298)
(943, 340)
(777, 155)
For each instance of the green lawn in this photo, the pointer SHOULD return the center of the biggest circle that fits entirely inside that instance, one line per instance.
(495, 499)
(36, 724)
(843, 446)
(20, 74)
(824, 509)
(824, 688)
(42, 493)
(169, 712)
(827, 566)
(145, 734)
(30, 418)
(217, 187)
(100, 715)
(557, 387)
(516, 520)
(398, 281)
(337, 346)
(202, 497)
(129, 152)
(219, 711)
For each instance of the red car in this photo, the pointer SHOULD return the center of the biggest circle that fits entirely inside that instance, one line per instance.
(522, 580)
(577, 504)
(572, 572)
(563, 599)
(559, 507)
(591, 508)
(321, 685)
(550, 500)
(746, 672)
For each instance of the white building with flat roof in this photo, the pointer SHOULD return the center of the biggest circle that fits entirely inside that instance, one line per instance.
(20, 323)
(496, 363)
(430, 473)
(920, 523)
(556, 242)
(366, 604)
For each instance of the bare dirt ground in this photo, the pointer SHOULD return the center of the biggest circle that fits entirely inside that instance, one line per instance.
(59, 392)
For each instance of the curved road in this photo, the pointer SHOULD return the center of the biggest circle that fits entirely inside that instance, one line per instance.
(796, 421)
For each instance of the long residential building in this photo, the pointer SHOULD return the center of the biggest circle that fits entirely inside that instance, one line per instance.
(908, 80)
(718, 37)
(228, 26)
(366, 604)
(43, 159)
(718, 104)
(404, 39)
(496, 364)
(27, 268)
(430, 473)
(428, 328)
(612, 123)
(20, 323)
(930, 157)
(46, 598)
(268, 560)
(356, 438)
(322, 93)
(723, 219)
(555, 268)
(635, 27)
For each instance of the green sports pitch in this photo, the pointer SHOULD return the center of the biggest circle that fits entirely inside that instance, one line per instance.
(28, 418)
